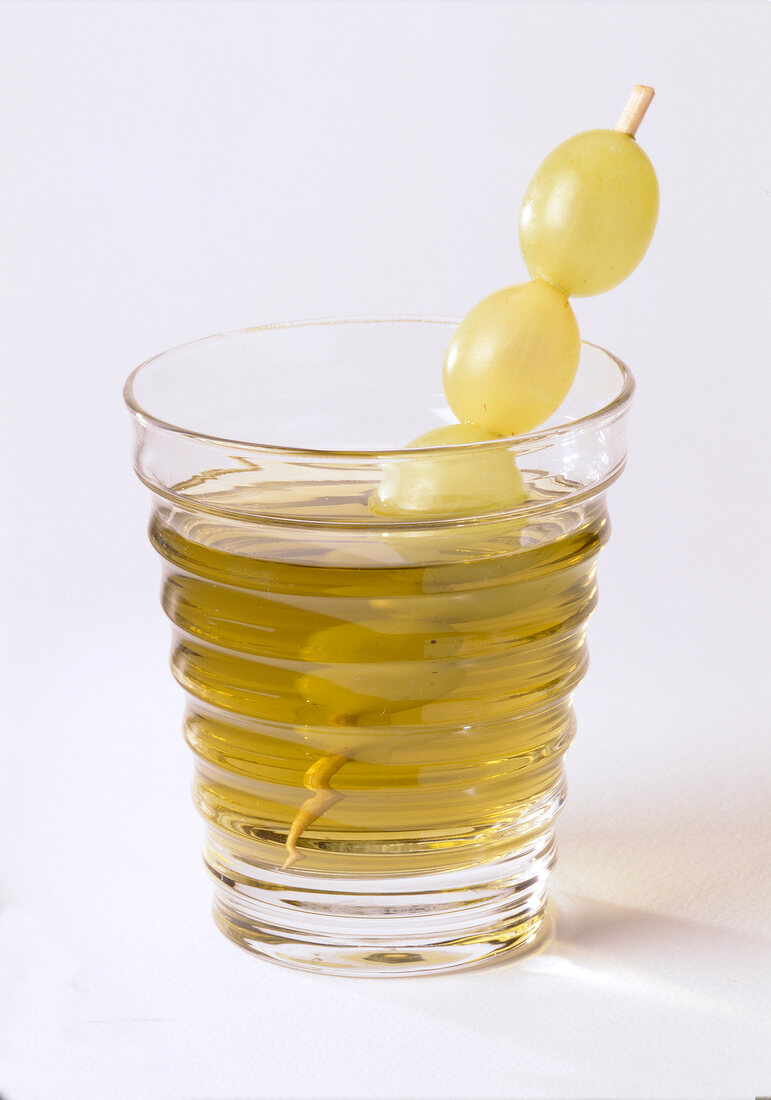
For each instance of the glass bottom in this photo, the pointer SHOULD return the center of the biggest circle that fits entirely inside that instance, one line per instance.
(387, 926)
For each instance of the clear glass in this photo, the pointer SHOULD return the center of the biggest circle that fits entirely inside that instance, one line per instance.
(378, 707)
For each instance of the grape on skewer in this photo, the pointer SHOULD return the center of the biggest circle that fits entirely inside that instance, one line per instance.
(513, 358)
(452, 483)
(589, 211)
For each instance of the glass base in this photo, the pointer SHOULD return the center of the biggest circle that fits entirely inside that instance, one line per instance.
(387, 926)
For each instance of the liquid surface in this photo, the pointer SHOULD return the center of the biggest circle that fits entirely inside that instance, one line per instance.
(354, 710)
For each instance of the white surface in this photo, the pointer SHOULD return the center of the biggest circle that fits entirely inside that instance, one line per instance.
(174, 170)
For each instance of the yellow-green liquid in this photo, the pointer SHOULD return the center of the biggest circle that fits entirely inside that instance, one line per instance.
(423, 704)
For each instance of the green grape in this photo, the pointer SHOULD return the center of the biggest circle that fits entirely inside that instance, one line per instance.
(366, 671)
(513, 358)
(447, 483)
(589, 212)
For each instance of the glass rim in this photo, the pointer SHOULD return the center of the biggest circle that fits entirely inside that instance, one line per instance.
(524, 441)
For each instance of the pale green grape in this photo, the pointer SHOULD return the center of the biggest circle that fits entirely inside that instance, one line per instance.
(370, 670)
(589, 212)
(513, 358)
(447, 482)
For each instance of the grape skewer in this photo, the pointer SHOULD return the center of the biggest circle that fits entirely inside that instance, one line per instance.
(586, 221)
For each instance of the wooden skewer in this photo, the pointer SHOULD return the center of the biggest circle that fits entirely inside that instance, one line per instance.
(323, 796)
(316, 779)
(634, 112)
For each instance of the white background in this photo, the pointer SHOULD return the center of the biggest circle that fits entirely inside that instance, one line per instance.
(171, 170)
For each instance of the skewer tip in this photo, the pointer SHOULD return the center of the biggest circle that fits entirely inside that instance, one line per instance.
(634, 111)
(293, 857)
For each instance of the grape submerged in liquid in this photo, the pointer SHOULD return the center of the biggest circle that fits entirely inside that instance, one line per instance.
(455, 482)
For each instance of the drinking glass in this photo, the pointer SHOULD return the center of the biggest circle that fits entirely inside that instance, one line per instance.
(378, 704)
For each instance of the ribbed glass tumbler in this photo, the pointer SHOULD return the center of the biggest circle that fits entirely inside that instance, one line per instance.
(378, 702)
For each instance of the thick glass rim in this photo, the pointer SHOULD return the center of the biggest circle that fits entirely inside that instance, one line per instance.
(524, 441)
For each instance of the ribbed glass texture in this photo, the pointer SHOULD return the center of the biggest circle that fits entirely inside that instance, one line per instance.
(378, 705)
